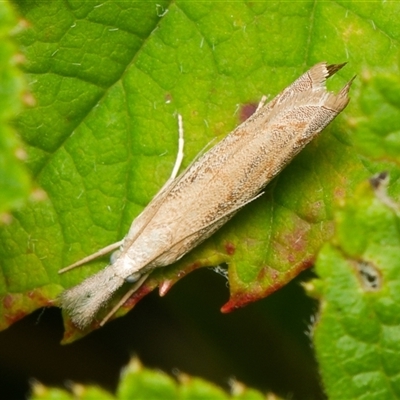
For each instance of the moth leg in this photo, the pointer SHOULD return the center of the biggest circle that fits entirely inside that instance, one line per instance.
(127, 295)
(261, 103)
(179, 156)
(100, 253)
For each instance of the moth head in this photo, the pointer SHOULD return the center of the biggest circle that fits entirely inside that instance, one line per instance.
(82, 302)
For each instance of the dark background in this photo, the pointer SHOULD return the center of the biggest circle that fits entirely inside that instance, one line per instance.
(265, 345)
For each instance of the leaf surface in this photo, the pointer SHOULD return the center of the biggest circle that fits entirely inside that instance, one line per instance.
(14, 179)
(357, 334)
(109, 78)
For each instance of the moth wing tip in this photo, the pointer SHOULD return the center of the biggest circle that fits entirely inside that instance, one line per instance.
(345, 90)
(339, 101)
(320, 72)
(333, 68)
(349, 83)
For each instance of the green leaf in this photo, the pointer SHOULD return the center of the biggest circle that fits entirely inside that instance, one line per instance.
(81, 392)
(377, 123)
(140, 383)
(109, 78)
(357, 335)
(14, 179)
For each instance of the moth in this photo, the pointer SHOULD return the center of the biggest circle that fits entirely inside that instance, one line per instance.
(191, 207)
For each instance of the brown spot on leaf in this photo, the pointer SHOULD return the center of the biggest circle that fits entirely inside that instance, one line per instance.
(24, 23)
(8, 301)
(262, 274)
(6, 218)
(268, 273)
(28, 99)
(230, 248)
(168, 98)
(247, 110)
(295, 243)
(314, 213)
(339, 193)
(19, 59)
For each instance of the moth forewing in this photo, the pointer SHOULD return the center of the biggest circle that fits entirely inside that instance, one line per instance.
(212, 189)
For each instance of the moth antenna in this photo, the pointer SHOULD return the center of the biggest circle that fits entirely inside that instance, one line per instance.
(100, 253)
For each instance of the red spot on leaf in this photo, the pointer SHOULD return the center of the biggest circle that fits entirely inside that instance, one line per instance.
(247, 110)
(268, 273)
(230, 248)
(298, 241)
(8, 301)
(294, 243)
(262, 274)
(274, 274)
(339, 193)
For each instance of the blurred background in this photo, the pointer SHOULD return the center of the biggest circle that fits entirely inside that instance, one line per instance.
(265, 345)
